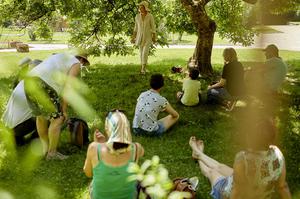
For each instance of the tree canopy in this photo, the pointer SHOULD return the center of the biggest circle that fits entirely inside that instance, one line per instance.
(104, 27)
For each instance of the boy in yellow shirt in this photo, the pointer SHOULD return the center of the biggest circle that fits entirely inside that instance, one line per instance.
(190, 94)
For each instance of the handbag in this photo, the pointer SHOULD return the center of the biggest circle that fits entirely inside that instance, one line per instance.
(186, 185)
(79, 131)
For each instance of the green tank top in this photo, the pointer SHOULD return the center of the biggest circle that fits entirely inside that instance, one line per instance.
(110, 182)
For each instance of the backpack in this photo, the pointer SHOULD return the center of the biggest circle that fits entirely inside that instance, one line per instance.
(79, 131)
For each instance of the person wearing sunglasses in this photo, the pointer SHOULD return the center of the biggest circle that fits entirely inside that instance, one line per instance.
(149, 104)
(107, 161)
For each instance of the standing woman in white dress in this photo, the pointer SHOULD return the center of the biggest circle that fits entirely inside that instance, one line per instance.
(144, 33)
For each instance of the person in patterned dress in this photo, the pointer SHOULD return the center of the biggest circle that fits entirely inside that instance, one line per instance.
(257, 172)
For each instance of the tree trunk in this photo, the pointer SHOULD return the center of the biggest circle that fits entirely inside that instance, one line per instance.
(203, 50)
(206, 28)
(180, 36)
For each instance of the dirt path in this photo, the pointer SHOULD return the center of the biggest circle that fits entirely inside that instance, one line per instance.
(287, 38)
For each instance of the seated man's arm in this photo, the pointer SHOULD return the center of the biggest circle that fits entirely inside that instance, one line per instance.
(219, 84)
(169, 109)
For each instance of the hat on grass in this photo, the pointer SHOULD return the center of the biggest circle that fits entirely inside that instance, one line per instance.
(145, 4)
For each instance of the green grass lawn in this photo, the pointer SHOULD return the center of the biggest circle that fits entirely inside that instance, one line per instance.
(115, 83)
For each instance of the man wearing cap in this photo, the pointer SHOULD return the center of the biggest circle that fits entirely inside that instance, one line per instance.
(144, 33)
(40, 93)
(274, 70)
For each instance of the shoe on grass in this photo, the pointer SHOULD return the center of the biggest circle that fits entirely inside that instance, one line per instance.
(56, 156)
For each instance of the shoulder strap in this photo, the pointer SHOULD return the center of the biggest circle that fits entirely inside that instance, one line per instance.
(99, 152)
(134, 149)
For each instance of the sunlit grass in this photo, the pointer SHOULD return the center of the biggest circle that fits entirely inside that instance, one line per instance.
(115, 83)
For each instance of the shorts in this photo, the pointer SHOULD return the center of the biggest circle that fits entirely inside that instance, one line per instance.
(42, 99)
(217, 189)
(161, 129)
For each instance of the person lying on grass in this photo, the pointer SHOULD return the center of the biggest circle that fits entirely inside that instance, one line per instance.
(107, 161)
(257, 172)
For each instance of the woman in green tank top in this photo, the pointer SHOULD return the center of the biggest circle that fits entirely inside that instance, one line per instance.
(107, 162)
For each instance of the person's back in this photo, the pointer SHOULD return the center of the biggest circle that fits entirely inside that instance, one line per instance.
(149, 105)
(110, 175)
(191, 89)
(52, 70)
(262, 171)
(233, 72)
(275, 73)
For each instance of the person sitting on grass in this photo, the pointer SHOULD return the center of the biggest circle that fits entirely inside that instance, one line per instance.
(257, 172)
(149, 104)
(231, 85)
(190, 94)
(107, 161)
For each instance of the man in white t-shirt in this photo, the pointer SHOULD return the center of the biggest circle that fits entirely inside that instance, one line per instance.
(41, 94)
(149, 104)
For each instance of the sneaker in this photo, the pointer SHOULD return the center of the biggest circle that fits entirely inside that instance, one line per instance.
(56, 156)
(230, 105)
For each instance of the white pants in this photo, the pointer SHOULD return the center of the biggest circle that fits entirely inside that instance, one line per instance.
(144, 52)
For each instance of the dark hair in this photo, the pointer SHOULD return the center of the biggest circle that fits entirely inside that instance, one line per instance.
(263, 135)
(157, 81)
(194, 73)
(119, 145)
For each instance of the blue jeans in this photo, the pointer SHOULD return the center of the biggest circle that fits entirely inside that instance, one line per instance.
(218, 188)
(161, 129)
(217, 95)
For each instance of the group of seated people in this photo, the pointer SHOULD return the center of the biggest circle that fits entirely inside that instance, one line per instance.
(236, 82)
(256, 173)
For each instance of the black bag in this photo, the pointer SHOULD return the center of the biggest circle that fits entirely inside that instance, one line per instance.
(79, 131)
(25, 128)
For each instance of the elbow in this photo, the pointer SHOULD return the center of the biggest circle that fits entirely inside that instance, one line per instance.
(88, 174)
(176, 116)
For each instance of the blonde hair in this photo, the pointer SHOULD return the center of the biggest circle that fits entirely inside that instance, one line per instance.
(230, 55)
(117, 129)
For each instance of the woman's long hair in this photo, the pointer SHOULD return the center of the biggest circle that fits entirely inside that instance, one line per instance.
(230, 55)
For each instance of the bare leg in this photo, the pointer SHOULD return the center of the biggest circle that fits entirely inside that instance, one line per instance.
(210, 162)
(54, 132)
(42, 129)
(168, 121)
(211, 174)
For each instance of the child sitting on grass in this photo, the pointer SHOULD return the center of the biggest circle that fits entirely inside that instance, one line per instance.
(190, 94)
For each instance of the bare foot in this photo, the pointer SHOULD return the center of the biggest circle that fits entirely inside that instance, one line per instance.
(197, 147)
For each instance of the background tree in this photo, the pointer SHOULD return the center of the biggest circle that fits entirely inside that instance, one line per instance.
(104, 27)
(178, 20)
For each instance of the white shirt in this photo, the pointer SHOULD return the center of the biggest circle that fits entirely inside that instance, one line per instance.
(149, 105)
(54, 70)
(17, 109)
(144, 29)
(50, 71)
